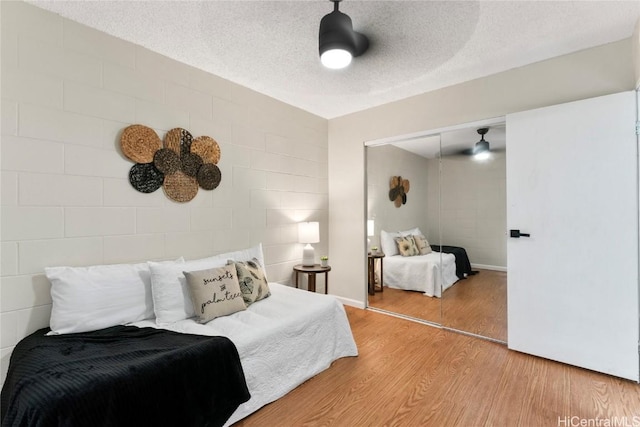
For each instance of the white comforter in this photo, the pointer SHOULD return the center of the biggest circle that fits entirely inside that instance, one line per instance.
(282, 340)
(420, 273)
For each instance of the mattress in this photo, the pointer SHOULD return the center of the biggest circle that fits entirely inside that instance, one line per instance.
(282, 341)
(420, 273)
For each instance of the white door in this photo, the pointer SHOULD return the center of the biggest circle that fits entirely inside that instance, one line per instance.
(572, 184)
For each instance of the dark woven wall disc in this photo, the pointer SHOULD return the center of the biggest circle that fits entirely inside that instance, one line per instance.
(190, 163)
(167, 161)
(145, 178)
(209, 176)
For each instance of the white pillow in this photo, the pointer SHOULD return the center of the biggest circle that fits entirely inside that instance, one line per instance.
(171, 296)
(97, 297)
(388, 242)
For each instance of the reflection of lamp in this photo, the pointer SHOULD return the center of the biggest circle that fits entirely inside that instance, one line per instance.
(370, 227)
(308, 232)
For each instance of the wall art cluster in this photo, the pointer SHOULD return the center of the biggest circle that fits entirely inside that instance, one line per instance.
(180, 165)
(398, 190)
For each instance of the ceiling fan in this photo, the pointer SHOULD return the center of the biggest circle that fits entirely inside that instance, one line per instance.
(481, 150)
(338, 42)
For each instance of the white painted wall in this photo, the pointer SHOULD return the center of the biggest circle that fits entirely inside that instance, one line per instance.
(598, 71)
(67, 92)
(635, 40)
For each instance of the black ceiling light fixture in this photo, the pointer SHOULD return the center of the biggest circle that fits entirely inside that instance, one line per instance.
(481, 150)
(338, 42)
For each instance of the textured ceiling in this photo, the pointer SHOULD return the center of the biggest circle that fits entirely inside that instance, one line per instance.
(416, 46)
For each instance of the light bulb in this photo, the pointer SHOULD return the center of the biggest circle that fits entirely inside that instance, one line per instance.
(336, 58)
(484, 155)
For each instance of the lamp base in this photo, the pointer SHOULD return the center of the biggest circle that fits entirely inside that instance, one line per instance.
(308, 256)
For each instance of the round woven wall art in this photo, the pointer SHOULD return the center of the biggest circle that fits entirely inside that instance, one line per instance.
(190, 163)
(209, 176)
(183, 164)
(180, 187)
(166, 161)
(398, 190)
(178, 140)
(145, 178)
(207, 148)
(139, 143)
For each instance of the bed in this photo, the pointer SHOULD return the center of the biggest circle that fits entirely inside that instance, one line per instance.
(283, 341)
(421, 273)
(135, 359)
(416, 268)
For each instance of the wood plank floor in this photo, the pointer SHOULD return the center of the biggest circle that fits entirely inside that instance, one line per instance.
(477, 304)
(410, 374)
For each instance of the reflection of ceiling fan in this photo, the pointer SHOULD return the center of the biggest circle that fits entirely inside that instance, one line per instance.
(481, 149)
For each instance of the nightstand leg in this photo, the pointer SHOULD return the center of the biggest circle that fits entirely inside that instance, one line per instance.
(312, 282)
(372, 277)
(326, 282)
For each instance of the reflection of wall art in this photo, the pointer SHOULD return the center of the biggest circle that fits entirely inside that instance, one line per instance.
(399, 189)
(179, 165)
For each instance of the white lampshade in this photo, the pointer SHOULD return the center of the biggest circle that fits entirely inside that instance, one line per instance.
(370, 227)
(308, 232)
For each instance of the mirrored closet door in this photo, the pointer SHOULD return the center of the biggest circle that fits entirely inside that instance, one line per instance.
(403, 193)
(473, 228)
(457, 201)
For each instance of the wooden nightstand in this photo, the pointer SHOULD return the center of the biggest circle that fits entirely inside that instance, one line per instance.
(311, 272)
(372, 257)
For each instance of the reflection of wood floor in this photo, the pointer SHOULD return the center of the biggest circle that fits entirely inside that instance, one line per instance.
(408, 374)
(477, 304)
(409, 303)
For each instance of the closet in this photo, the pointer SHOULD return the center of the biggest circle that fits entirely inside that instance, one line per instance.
(572, 232)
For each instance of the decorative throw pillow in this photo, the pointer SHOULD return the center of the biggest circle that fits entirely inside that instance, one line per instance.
(253, 281)
(215, 292)
(171, 296)
(407, 246)
(422, 244)
(388, 239)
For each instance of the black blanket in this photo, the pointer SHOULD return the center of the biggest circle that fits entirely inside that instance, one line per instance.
(463, 266)
(122, 376)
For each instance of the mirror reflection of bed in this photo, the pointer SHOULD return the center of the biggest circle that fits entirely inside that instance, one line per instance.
(454, 201)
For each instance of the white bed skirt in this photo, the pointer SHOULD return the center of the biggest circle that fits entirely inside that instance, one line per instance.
(282, 340)
(420, 273)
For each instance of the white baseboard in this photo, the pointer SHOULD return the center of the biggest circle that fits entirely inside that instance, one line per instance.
(489, 267)
(350, 302)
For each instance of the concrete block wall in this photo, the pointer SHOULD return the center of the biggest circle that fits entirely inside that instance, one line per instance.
(67, 92)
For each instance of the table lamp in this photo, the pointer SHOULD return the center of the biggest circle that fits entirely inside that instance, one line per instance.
(308, 232)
